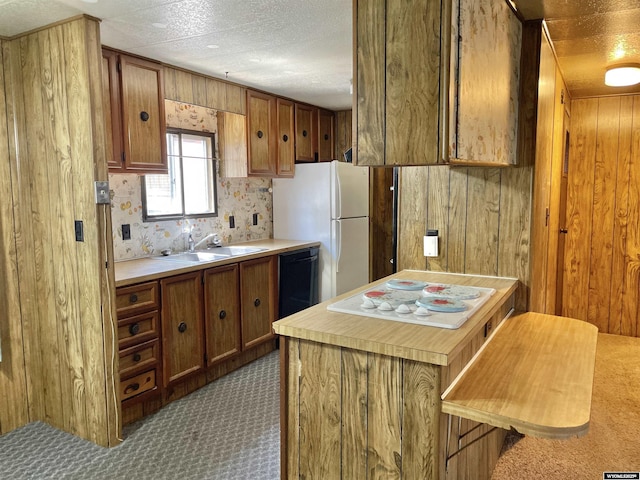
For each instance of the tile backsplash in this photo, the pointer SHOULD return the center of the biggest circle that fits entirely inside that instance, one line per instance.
(237, 197)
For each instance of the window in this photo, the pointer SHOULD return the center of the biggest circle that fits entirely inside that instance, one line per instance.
(189, 190)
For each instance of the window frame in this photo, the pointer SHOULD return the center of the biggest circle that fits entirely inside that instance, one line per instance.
(146, 218)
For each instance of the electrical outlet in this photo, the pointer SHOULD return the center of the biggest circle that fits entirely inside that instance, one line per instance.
(126, 231)
(79, 231)
(232, 222)
(255, 218)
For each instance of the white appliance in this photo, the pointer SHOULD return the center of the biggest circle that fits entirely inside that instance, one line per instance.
(328, 202)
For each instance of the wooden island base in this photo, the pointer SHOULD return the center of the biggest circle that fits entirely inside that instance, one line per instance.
(376, 411)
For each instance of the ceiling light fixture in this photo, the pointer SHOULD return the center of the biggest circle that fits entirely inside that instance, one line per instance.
(622, 75)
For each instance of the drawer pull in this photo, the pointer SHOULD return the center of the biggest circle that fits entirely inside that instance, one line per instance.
(285, 138)
(134, 328)
(133, 298)
(131, 388)
(222, 314)
(182, 327)
(137, 357)
(256, 302)
(144, 116)
(260, 134)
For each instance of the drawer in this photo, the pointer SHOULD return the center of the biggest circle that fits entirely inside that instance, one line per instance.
(138, 329)
(136, 385)
(138, 358)
(137, 299)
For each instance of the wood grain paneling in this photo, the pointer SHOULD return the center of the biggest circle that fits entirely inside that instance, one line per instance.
(343, 132)
(482, 215)
(355, 394)
(55, 91)
(13, 401)
(602, 253)
(584, 125)
(380, 222)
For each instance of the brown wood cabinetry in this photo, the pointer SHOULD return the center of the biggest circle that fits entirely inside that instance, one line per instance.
(258, 299)
(306, 140)
(134, 104)
(232, 144)
(286, 137)
(270, 131)
(182, 326)
(138, 341)
(222, 313)
(325, 135)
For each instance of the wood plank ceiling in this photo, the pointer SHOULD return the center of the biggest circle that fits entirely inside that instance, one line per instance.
(588, 36)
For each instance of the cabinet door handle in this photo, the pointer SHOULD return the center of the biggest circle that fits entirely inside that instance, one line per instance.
(326, 136)
(144, 116)
(137, 357)
(131, 388)
(260, 134)
(134, 328)
(285, 138)
(304, 133)
(182, 327)
(133, 298)
(564, 230)
(222, 314)
(256, 302)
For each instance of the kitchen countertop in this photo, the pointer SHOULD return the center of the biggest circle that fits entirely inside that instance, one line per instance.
(405, 340)
(129, 272)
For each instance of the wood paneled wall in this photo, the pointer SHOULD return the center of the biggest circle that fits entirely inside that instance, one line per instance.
(187, 87)
(602, 253)
(13, 399)
(343, 133)
(56, 150)
(483, 218)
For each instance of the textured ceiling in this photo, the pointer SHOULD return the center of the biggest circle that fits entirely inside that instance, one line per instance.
(588, 36)
(302, 48)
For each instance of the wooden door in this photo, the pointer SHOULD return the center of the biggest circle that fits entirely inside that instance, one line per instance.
(258, 299)
(381, 232)
(182, 329)
(221, 313)
(232, 144)
(143, 115)
(562, 233)
(305, 145)
(286, 140)
(325, 135)
(261, 136)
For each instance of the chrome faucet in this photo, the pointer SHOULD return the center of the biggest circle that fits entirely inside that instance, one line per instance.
(216, 242)
(191, 244)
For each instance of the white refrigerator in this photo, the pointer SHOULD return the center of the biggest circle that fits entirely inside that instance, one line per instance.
(328, 202)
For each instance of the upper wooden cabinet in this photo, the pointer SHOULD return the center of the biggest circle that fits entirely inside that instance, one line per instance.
(326, 150)
(306, 139)
(270, 130)
(429, 91)
(232, 144)
(485, 83)
(134, 105)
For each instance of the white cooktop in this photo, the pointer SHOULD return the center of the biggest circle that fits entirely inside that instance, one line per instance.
(398, 304)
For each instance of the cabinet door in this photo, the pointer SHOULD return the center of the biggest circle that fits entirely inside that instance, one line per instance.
(286, 152)
(261, 135)
(112, 113)
(232, 144)
(399, 94)
(222, 313)
(258, 299)
(143, 115)
(305, 145)
(182, 329)
(325, 135)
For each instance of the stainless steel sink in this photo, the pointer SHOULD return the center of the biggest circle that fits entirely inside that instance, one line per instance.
(195, 257)
(234, 250)
(217, 253)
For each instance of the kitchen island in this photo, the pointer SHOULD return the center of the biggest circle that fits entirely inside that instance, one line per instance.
(362, 397)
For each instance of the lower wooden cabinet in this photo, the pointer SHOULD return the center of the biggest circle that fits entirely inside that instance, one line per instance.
(222, 313)
(258, 299)
(182, 326)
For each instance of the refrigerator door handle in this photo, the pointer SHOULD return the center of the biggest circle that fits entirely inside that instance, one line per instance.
(339, 244)
(338, 197)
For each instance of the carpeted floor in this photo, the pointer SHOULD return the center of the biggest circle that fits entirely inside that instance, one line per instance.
(227, 430)
(612, 443)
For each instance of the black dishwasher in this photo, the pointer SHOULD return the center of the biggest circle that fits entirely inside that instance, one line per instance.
(298, 280)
